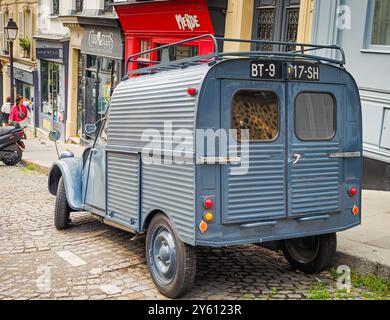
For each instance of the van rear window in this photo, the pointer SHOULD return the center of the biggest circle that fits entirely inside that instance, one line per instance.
(258, 112)
(315, 116)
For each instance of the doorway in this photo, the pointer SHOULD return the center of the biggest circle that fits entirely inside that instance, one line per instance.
(275, 20)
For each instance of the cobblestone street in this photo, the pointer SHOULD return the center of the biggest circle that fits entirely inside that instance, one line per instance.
(106, 264)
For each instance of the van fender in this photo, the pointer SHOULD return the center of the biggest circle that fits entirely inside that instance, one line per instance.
(147, 218)
(70, 169)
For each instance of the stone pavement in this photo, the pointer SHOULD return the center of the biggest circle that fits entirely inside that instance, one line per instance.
(94, 261)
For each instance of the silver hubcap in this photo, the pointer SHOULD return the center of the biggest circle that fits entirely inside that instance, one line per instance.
(163, 255)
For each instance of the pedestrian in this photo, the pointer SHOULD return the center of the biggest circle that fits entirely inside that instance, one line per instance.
(5, 111)
(18, 112)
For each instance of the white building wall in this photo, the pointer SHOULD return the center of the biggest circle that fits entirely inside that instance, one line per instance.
(49, 24)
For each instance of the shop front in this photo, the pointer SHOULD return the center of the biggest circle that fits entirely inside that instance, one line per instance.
(151, 24)
(52, 59)
(101, 70)
(25, 80)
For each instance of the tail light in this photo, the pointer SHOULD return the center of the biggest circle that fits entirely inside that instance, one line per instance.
(209, 216)
(203, 226)
(192, 91)
(352, 192)
(355, 210)
(208, 203)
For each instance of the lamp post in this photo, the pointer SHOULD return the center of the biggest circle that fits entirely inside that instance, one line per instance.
(12, 31)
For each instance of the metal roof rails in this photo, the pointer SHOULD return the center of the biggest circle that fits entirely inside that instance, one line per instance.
(279, 50)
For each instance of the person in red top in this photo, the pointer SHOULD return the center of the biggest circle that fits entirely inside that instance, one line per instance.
(18, 111)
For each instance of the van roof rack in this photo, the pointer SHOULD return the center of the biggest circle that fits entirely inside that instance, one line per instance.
(279, 50)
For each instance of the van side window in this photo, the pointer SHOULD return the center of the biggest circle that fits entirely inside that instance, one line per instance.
(258, 112)
(315, 116)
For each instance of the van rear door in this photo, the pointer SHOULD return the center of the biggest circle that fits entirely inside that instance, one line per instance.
(260, 194)
(315, 132)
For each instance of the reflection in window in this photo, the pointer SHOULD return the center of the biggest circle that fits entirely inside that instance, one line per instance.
(258, 112)
(381, 23)
(314, 116)
(103, 138)
(51, 99)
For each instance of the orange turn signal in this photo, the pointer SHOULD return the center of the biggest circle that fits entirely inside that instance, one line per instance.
(355, 210)
(203, 226)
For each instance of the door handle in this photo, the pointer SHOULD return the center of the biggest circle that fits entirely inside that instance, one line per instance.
(296, 158)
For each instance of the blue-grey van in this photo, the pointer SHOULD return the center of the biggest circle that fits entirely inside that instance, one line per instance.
(289, 174)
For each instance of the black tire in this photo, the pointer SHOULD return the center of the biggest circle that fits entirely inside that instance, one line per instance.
(180, 275)
(62, 209)
(312, 254)
(13, 162)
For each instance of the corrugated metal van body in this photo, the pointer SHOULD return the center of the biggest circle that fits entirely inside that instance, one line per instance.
(122, 188)
(143, 106)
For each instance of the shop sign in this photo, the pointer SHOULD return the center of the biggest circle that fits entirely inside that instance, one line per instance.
(102, 42)
(187, 21)
(49, 53)
(23, 75)
(166, 18)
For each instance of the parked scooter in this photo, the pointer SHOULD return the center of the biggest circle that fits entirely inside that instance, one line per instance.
(11, 144)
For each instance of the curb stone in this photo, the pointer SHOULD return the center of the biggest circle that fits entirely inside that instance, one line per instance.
(361, 265)
(37, 167)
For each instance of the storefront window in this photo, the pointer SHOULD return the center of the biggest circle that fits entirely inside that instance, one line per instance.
(178, 52)
(102, 76)
(52, 104)
(23, 89)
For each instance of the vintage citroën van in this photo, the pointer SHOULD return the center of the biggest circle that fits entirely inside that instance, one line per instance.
(290, 172)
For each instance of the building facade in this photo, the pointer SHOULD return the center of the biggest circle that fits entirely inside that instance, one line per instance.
(152, 24)
(52, 53)
(362, 28)
(95, 63)
(274, 20)
(24, 13)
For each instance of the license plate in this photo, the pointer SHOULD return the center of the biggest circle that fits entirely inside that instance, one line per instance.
(303, 71)
(266, 70)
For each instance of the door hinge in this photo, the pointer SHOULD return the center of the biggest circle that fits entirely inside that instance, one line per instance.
(219, 160)
(357, 154)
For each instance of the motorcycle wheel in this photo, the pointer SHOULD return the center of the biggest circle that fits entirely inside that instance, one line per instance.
(14, 158)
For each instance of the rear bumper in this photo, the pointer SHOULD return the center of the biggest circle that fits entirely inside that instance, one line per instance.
(232, 235)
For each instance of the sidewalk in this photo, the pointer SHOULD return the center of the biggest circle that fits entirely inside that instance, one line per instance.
(42, 153)
(365, 248)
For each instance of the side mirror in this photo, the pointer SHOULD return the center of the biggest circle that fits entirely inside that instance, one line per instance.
(54, 135)
(90, 128)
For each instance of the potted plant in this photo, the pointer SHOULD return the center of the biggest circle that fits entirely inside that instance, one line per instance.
(25, 44)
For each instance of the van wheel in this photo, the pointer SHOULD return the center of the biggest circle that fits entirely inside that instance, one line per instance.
(62, 209)
(311, 254)
(171, 262)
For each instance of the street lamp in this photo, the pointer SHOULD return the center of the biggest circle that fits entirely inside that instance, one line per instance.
(12, 31)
